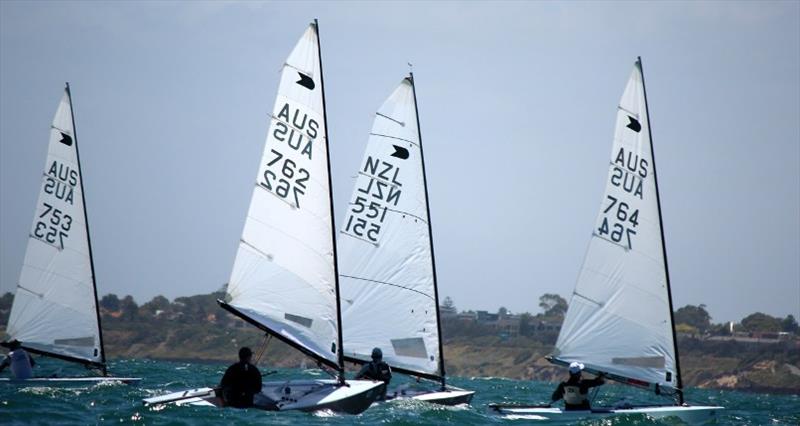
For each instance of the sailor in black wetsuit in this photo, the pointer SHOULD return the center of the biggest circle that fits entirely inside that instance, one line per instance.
(241, 381)
(376, 370)
(575, 390)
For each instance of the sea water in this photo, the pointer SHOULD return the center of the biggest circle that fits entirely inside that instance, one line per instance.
(121, 404)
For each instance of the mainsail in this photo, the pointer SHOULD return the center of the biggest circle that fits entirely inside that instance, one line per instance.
(619, 319)
(55, 306)
(284, 277)
(386, 265)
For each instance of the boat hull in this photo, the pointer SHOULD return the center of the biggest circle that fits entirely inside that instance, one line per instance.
(686, 413)
(302, 395)
(449, 396)
(68, 381)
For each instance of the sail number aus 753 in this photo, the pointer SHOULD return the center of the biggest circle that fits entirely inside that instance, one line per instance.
(285, 179)
(52, 226)
(621, 224)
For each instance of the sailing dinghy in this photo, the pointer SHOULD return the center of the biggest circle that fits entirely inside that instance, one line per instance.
(619, 321)
(55, 310)
(284, 278)
(387, 272)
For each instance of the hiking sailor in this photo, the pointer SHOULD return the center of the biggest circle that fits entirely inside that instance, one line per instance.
(575, 390)
(241, 381)
(376, 370)
(21, 363)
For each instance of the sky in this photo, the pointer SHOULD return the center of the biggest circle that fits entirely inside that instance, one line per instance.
(517, 107)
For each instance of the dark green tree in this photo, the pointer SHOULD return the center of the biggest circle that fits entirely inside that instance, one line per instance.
(789, 324)
(130, 310)
(695, 316)
(761, 322)
(553, 305)
(110, 302)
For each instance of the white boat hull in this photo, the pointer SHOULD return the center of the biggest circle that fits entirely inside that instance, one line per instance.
(686, 413)
(449, 396)
(303, 395)
(68, 381)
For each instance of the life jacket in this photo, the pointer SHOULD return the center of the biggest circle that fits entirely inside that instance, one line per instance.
(20, 364)
(380, 371)
(573, 395)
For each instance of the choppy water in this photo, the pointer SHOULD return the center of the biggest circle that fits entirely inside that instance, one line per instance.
(118, 403)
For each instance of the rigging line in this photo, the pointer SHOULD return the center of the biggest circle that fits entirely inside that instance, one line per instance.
(391, 284)
(586, 298)
(407, 213)
(636, 115)
(44, 174)
(391, 119)
(291, 126)
(267, 338)
(394, 137)
(612, 242)
(359, 238)
(387, 181)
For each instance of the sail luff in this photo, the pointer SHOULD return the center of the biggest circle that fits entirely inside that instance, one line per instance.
(88, 235)
(340, 348)
(430, 233)
(663, 241)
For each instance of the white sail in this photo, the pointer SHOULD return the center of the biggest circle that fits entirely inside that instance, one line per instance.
(54, 308)
(619, 319)
(283, 276)
(386, 271)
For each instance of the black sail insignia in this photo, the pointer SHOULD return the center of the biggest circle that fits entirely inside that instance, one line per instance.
(305, 81)
(634, 124)
(400, 152)
(66, 139)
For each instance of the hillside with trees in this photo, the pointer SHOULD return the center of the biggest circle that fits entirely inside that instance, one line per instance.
(759, 353)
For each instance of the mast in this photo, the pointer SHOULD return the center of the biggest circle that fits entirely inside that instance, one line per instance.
(88, 237)
(663, 243)
(339, 348)
(430, 234)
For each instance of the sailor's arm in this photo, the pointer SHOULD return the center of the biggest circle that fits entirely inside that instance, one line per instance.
(559, 392)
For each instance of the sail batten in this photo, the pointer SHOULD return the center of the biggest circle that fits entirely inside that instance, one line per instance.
(386, 263)
(619, 319)
(283, 278)
(55, 310)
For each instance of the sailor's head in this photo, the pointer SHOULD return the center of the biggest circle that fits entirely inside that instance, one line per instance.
(245, 354)
(377, 354)
(575, 368)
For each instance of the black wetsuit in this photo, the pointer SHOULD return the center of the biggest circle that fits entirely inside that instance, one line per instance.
(240, 382)
(376, 370)
(583, 386)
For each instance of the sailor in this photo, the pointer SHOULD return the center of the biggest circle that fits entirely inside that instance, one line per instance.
(574, 391)
(376, 370)
(241, 381)
(21, 363)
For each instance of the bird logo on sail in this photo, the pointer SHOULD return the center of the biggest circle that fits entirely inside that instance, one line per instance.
(66, 139)
(400, 152)
(305, 81)
(634, 124)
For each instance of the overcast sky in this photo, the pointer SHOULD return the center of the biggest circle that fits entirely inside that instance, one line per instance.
(517, 103)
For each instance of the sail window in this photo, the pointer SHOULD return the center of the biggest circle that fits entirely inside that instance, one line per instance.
(413, 347)
(305, 322)
(643, 361)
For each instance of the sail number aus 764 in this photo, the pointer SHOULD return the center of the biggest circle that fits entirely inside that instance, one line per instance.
(285, 179)
(622, 223)
(52, 226)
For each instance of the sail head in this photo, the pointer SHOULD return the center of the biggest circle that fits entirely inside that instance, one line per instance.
(386, 270)
(283, 276)
(55, 306)
(619, 318)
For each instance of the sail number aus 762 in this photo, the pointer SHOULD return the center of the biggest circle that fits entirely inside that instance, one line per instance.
(52, 225)
(622, 223)
(285, 179)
